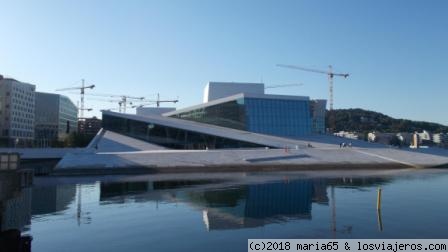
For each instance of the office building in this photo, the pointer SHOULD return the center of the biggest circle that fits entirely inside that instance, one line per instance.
(89, 126)
(16, 112)
(56, 117)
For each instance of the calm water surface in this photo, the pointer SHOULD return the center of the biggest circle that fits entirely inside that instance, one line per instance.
(220, 213)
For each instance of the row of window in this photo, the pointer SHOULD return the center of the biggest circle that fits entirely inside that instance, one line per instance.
(21, 133)
(23, 109)
(29, 104)
(23, 90)
(20, 97)
(28, 125)
(23, 114)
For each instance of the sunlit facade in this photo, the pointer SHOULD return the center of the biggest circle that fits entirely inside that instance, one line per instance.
(279, 115)
(56, 117)
(236, 115)
(16, 112)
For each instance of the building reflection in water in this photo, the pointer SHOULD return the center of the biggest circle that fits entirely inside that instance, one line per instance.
(223, 205)
(167, 190)
(15, 213)
(256, 205)
(52, 199)
(240, 206)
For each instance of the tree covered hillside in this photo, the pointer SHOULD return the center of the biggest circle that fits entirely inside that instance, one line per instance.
(359, 120)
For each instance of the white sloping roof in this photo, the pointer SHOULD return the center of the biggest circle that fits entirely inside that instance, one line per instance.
(261, 139)
(114, 142)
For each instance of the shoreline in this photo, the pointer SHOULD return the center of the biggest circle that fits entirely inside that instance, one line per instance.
(228, 169)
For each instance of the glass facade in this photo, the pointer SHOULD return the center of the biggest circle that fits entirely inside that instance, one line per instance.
(230, 114)
(318, 110)
(280, 117)
(46, 119)
(170, 137)
(56, 117)
(68, 117)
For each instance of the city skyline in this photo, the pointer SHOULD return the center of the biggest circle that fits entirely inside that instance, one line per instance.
(394, 51)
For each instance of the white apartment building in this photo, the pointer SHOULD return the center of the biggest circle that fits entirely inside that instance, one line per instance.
(16, 112)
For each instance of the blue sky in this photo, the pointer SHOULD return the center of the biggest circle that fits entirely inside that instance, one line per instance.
(396, 51)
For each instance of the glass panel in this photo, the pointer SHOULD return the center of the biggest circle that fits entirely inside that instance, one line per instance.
(288, 118)
(170, 137)
(230, 114)
(278, 117)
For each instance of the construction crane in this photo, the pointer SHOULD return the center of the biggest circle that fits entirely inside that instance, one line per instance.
(118, 101)
(157, 102)
(329, 73)
(82, 88)
(126, 101)
(123, 101)
(284, 85)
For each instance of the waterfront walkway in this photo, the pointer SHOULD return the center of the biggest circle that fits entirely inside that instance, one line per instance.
(140, 157)
(114, 153)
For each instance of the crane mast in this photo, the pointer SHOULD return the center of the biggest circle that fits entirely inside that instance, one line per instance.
(82, 89)
(330, 86)
(160, 101)
(81, 114)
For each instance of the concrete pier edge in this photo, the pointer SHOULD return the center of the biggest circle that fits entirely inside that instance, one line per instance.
(229, 168)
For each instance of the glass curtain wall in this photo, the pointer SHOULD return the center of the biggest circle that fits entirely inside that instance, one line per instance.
(68, 117)
(229, 114)
(278, 117)
(170, 137)
(318, 114)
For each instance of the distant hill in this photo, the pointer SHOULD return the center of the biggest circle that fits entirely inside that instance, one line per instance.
(360, 120)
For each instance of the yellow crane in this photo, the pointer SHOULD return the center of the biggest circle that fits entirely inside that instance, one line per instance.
(329, 73)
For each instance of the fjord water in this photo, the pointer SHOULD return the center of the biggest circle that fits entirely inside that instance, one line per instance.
(221, 213)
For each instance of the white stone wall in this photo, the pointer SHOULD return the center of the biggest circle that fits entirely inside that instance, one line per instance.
(216, 90)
